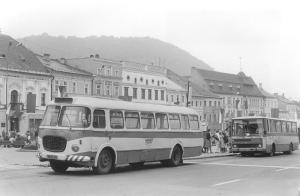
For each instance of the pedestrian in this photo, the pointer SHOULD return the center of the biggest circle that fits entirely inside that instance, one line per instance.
(217, 140)
(226, 140)
(207, 142)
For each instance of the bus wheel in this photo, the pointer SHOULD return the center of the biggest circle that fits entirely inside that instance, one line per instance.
(272, 152)
(58, 166)
(176, 158)
(105, 162)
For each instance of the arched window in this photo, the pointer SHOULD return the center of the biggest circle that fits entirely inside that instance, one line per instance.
(14, 96)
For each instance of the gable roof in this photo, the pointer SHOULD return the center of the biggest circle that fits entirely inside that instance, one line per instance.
(18, 57)
(196, 89)
(225, 83)
(56, 65)
(266, 94)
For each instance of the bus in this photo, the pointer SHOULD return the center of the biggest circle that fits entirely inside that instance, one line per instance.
(251, 135)
(103, 133)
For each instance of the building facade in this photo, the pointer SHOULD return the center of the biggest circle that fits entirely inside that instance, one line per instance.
(144, 83)
(270, 104)
(25, 88)
(67, 80)
(240, 95)
(107, 75)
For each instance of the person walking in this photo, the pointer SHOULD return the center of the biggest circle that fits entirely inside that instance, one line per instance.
(207, 142)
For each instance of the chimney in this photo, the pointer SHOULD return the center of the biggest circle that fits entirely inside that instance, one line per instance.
(97, 56)
(260, 85)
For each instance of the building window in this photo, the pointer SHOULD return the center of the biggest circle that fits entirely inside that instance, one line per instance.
(152, 81)
(215, 103)
(157, 83)
(98, 89)
(141, 79)
(128, 77)
(172, 98)
(135, 80)
(108, 70)
(126, 91)
(86, 88)
(116, 73)
(209, 103)
(108, 88)
(196, 103)
(56, 85)
(134, 94)
(162, 95)
(143, 93)
(43, 99)
(146, 82)
(149, 94)
(156, 94)
(116, 91)
(205, 105)
(99, 71)
(74, 87)
(162, 82)
(182, 99)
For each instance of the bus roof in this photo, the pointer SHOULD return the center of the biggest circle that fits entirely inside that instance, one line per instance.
(259, 117)
(96, 102)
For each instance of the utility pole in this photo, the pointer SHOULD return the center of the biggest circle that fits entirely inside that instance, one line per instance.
(187, 94)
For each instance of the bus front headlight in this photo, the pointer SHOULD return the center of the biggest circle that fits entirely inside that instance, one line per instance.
(75, 148)
(259, 145)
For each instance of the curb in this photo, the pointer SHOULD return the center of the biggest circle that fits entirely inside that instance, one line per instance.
(213, 156)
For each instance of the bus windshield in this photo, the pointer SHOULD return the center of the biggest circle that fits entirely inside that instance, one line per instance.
(247, 127)
(67, 116)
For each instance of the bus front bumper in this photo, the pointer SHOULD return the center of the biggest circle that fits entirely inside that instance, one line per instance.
(234, 150)
(60, 157)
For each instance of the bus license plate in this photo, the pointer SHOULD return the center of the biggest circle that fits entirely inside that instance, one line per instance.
(51, 156)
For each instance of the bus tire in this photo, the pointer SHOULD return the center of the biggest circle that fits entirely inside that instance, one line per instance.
(273, 150)
(176, 157)
(58, 166)
(105, 162)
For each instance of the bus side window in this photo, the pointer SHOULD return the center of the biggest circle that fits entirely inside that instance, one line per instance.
(147, 120)
(294, 127)
(174, 121)
(273, 126)
(194, 123)
(99, 119)
(132, 120)
(278, 126)
(161, 121)
(288, 127)
(185, 122)
(284, 127)
(116, 119)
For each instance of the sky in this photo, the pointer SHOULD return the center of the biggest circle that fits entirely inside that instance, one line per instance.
(259, 37)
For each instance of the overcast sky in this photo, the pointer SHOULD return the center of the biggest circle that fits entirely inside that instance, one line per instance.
(265, 34)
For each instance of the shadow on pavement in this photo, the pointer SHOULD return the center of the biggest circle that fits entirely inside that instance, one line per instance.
(122, 169)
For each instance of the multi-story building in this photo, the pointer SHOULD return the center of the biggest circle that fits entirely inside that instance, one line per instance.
(208, 104)
(107, 74)
(270, 103)
(240, 95)
(144, 83)
(25, 87)
(287, 108)
(67, 80)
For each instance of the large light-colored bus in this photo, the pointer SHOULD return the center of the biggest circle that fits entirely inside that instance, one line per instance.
(103, 133)
(261, 134)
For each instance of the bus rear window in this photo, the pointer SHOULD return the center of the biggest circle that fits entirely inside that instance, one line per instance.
(51, 116)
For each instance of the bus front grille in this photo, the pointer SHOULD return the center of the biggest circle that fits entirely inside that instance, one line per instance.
(247, 145)
(54, 143)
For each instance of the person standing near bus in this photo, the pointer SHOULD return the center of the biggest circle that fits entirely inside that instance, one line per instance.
(207, 143)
